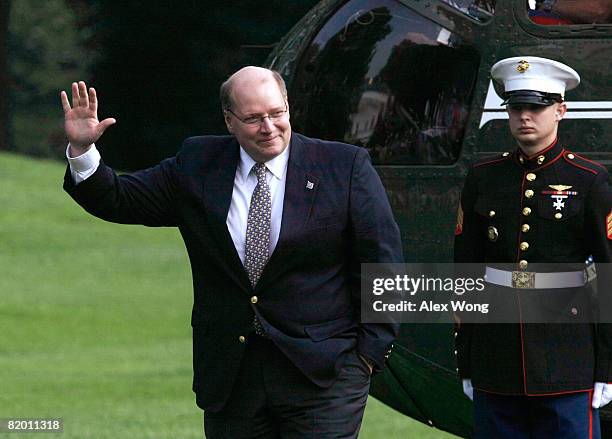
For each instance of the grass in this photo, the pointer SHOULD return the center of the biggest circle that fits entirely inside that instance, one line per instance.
(94, 320)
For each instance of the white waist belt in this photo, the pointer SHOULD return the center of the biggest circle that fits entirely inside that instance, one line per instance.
(531, 280)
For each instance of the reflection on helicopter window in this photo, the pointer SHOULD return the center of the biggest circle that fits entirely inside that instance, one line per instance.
(567, 12)
(382, 77)
(481, 10)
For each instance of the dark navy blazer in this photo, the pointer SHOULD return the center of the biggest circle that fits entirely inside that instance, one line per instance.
(336, 215)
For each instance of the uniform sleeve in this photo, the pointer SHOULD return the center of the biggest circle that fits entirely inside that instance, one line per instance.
(598, 212)
(468, 239)
(467, 250)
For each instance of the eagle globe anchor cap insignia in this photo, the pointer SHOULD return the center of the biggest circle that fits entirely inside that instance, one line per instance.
(522, 66)
(533, 80)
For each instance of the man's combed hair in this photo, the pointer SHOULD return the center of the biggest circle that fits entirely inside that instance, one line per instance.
(225, 91)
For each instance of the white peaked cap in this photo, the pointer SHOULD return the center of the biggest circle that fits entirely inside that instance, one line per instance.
(533, 73)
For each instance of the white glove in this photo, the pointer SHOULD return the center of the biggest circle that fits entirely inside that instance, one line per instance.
(469, 390)
(602, 394)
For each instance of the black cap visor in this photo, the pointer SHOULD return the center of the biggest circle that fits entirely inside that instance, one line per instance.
(531, 97)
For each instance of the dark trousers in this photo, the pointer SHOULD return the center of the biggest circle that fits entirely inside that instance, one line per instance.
(567, 416)
(273, 399)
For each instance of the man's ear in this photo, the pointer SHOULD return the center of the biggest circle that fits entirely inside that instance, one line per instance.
(561, 110)
(228, 122)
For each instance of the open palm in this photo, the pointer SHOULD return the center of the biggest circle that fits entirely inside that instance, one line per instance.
(81, 122)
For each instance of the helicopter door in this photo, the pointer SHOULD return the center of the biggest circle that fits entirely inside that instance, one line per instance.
(382, 76)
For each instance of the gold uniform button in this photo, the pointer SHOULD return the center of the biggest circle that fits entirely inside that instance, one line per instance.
(242, 339)
(558, 215)
(570, 156)
(523, 264)
(527, 211)
(525, 228)
(492, 213)
(531, 176)
(524, 246)
(254, 300)
(529, 193)
(541, 159)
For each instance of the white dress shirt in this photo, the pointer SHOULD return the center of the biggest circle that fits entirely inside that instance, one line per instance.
(244, 185)
(245, 180)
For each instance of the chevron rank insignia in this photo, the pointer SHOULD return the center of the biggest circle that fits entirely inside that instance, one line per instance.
(609, 225)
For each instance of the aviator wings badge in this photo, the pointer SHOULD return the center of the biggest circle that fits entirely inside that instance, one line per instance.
(559, 194)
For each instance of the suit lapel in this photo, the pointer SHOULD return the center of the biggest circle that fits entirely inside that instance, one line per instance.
(218, 188)
(300, 192)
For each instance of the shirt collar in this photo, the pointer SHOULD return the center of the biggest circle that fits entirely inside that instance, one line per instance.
(277, 166)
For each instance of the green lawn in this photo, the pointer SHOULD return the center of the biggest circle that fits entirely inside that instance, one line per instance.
(94, 320)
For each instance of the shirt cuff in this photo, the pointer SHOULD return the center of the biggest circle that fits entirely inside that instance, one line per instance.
(83, 166)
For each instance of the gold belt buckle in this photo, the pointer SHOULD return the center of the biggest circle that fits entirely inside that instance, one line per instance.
(523, 279)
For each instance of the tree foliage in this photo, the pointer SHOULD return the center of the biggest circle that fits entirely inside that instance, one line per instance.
(163, 62)
(157, 67)
(4, 82)
(47, 52)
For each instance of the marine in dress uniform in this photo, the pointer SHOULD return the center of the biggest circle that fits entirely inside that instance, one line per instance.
(523, 213)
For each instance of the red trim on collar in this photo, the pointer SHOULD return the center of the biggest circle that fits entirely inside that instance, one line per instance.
(544, 151)
(545, 165)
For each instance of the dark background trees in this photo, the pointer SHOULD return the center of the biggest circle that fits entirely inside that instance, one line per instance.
(157, 66)
(4, 87)
(46, 51)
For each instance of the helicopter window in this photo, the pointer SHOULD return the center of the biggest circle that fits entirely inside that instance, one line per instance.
(481, 10)
(568, 12)
(380, 76)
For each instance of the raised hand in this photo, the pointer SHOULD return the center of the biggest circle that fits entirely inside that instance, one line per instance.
(81, 121)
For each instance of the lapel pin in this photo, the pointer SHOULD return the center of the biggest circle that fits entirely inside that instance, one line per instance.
(309, 185)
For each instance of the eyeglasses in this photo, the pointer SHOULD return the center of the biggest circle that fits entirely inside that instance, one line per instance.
(258, 120)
